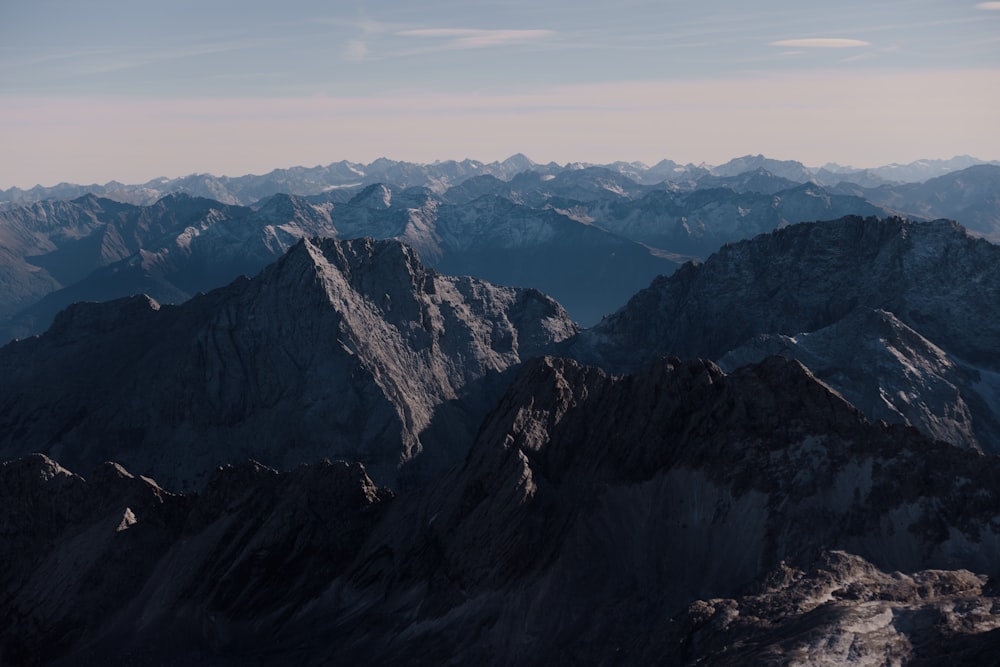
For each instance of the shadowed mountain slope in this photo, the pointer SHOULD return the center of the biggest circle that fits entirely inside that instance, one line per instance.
(937, 286)
(596, 519)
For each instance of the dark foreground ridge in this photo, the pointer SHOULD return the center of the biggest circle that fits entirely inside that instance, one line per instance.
(676, 515)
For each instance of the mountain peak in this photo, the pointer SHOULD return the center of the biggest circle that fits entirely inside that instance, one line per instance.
(377, 196)
(517, 163)
(914, 269)
(347, 349)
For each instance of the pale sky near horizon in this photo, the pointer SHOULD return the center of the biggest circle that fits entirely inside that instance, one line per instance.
(130, 90)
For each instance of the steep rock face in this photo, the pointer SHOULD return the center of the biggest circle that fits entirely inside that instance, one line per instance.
(932, 277)
(92, 564)
(890, 372)
(341, 349)
(182, 245)
(593, 510)
(614, 230)
(808, 276)
(677, 515)
(69, 550)
(587, 269)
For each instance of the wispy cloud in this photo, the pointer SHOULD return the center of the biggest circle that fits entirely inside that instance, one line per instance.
(471, 38)
(356, 51)
(820, 43)
(103, 61)
(988, 5)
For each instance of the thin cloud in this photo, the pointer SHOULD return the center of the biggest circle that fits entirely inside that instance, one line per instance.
(356, 51)
(104, 61)
(988, 5)
(820, 43)
(471, 38)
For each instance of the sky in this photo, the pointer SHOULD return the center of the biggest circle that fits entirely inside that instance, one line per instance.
(131, 90)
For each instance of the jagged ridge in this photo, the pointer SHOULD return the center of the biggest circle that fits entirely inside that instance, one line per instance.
(932, 278)
(597, 518)
(341, 349)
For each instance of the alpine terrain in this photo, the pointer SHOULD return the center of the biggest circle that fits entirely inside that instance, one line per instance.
(503, 413)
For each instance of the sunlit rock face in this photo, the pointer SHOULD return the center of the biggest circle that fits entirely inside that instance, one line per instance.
(342, 349)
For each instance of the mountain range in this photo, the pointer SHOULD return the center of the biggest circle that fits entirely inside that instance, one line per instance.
(679, 515)
(588, 236)
(319, 429)
(440, 176)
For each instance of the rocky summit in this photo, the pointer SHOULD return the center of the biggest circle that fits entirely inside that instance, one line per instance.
(342, 349)
(902, 317)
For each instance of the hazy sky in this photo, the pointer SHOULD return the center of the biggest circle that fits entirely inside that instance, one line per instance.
(131, 90)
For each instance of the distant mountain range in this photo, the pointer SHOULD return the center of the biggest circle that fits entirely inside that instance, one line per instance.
(589, 236)
(440, 176)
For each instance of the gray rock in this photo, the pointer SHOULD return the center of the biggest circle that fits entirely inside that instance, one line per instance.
(346, 349)
(594, 510)
(677, 515)
(936, 284)
(114, 569)
(890, 372)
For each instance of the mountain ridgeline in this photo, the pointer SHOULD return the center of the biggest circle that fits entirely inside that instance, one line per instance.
(440, 176)
(679, 514)
(787, 452)
(902, 317)
(341, 349)
(588, 236)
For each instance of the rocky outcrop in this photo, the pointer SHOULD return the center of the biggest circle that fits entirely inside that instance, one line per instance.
(341, 349)
(891, 372)
(113, 568)
(933, 282)
(843, 610)
(594, 510)
(933, 277)
(677, 515)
